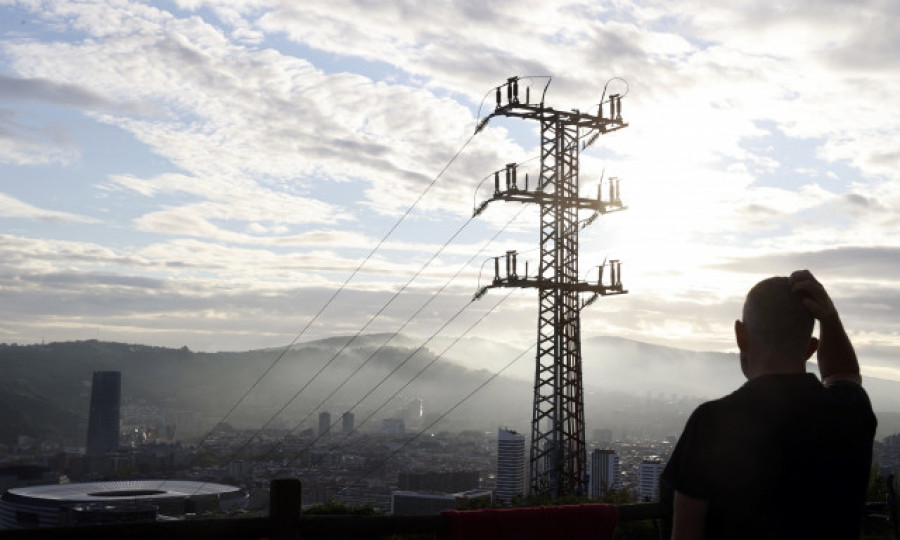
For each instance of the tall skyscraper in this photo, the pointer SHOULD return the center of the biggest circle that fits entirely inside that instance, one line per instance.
(510, 465)
(324, 423)
(347, 422)
(103, 420)
(649, 472)
(604, 472)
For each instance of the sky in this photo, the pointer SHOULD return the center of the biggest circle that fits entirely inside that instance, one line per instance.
(218, 174)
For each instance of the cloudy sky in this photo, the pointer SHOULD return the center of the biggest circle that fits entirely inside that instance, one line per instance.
(210, 173)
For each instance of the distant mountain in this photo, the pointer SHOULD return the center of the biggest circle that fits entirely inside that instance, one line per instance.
(640, 368)
(631, 387)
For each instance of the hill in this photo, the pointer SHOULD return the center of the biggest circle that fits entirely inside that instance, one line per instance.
(633, 388)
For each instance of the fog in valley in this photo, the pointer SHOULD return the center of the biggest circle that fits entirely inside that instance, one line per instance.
(635, 389)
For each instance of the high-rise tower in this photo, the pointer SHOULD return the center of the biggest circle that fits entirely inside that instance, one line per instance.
(558, 452)
(604, 472)
(649, 472)
(324, 423)
(510, 465)
(103, 421)
(347, 422)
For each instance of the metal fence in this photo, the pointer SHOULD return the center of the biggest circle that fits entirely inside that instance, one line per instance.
(285, 521)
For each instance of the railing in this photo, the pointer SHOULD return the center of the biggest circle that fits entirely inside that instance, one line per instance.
(285, 522)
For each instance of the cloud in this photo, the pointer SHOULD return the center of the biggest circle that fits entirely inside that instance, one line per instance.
(227, 111)
(24, 144)
(294, 135)
(857, 264)
(11, 207)
(44, 90)
(94, 280)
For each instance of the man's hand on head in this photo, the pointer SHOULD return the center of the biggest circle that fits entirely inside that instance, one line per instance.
(837, 359)
(815, 298)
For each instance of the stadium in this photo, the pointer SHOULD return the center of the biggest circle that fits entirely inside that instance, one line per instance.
(115, 501)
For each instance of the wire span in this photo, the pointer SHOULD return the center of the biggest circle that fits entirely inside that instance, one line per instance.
(414, 377)
(331, 299)
(411, 355)
(441, 417)
(339, 290)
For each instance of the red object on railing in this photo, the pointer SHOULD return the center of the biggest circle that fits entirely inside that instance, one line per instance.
(568, 522)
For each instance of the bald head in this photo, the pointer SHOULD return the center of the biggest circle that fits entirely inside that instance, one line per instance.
(776, 321)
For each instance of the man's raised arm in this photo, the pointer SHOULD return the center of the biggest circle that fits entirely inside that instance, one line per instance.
(837, 359)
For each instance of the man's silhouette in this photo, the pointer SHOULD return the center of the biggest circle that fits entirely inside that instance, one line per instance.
(785, 455)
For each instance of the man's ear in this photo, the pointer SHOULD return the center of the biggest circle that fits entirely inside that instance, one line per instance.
(740, 335)
(812, 347)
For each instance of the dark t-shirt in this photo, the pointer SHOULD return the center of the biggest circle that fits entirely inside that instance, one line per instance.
(781, 457)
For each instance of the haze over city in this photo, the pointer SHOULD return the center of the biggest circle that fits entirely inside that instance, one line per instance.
(208, 173)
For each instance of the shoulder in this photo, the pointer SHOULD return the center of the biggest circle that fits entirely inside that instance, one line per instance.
(853, 401)
(850, 393)
(703, 413)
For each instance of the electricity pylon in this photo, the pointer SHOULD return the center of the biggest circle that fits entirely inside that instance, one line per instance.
(558, 457)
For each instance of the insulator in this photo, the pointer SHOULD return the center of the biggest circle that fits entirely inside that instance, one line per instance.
(526, 181)
(497, 183)
(600, 275)
(509, 95)
(496, 269)
(499, 96)
(510, 263)
(482, 123)
(516, 90)
(615, 103)
(478, 294)
(514, 179)
(527, 94)
(508, 179)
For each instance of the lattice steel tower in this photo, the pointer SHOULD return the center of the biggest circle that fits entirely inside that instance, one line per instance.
(558, 458)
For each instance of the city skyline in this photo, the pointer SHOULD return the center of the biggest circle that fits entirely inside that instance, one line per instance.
(209, 173)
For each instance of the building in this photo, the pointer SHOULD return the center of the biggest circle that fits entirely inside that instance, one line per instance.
(347, 423)
(510, 465)
(393, 426)
(237, 468)
(442, 481)
(649, 472)
(103, 420)
(413, 503)
(604, 473)
(93, 502)
(324, 423)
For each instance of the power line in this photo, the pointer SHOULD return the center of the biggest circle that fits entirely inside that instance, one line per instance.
(396, 333)
(441, 417)
(362, 329)
(338, 291)
(359, 332)
(414, 377)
